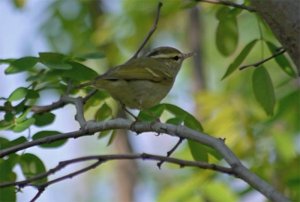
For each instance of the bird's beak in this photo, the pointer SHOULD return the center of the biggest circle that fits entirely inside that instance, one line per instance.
(187, 55)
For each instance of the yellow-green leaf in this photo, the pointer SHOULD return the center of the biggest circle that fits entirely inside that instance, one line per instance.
(19, 127)
(48, 133)
(227, 36)
(263, 89)
(18, 94)
(282, 61)
(31, 166)
(240, 58)
(22, 64)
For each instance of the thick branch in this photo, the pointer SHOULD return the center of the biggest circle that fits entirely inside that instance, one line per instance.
(284, 20)
(180, 131)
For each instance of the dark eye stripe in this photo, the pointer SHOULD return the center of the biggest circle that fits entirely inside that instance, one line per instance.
(176, 57)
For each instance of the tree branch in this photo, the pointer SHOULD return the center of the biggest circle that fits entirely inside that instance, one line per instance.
(112, 157)
(64, 100)
(42, 187)
(46, 108)
(180, 131)
(229, 3)
(286, 28)
(152, 30)
(169, 153)
(78, 102)
(278, 52)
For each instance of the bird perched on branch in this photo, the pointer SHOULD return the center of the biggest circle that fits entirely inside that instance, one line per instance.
(142, 82)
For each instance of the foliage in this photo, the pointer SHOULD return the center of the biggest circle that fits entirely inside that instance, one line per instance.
(256, 110)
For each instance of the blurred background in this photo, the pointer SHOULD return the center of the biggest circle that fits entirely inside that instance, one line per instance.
(270, 146)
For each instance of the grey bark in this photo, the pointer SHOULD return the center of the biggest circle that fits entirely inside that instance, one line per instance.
(283, 17)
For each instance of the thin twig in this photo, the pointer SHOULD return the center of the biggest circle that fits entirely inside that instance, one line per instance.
(152, 30)
(59, 103)
(38, 194)
(46, 108)
(278, 52)
(229, 3)
(169, 153)
(42, 187)
(111, 157)
(89, 95)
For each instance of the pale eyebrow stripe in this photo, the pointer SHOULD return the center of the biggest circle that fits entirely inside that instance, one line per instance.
(164, 56)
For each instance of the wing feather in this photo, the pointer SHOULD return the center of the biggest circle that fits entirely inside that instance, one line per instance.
(138, 69)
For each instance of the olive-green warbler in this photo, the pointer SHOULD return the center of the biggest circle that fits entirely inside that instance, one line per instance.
(144, 81)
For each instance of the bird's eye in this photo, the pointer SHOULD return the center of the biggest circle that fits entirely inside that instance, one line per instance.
(176, 57)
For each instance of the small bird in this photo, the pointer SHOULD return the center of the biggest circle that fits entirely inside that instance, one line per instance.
(142, 82)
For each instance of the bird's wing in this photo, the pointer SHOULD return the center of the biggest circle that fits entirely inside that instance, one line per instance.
(138, 70)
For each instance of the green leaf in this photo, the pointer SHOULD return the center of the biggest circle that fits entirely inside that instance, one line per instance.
(22, 64)
(7, 166)
(31, 166)
(282, 61)
(9, 116)
(103, 113)
(263, 89)
(49, 133)
(106, 133)
(92, 55)
(80, 72)
(111, 138)
(43, 119)
(4, 125)
(19, 127)
(96, 100)
(21, 107)
(7, 175)
(198, 151)
(240, 58)
(23, 116)
(176, 111)
(191, 122)
(227, 36)
(152, 114)
(8, 194)
(32, 94)
(55, 60)
(14, 142)
(6, 61)
(18, 94)
(3, 141)
(222, 13)
(175, 121)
